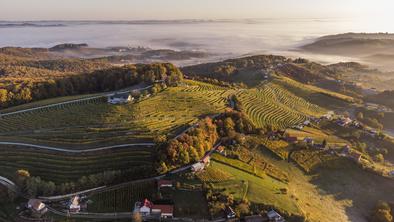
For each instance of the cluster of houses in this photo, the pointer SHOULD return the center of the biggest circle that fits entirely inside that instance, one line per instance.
(163, 208)
(38, 208)
(154, 210)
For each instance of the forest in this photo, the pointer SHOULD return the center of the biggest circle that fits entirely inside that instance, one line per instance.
(27, 80)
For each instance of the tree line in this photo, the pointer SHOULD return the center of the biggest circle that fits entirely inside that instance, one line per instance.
(192, 145)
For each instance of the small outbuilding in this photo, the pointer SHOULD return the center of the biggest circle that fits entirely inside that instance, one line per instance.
(37, 207)
(275, 216)
(230, 213)
(164, 183)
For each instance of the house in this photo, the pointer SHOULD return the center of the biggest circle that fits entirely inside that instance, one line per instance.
(206, 160)
(164, 183)
(344, 121)
(254, 218)
(198, 167)
(220, 149)
(355, 156)
(74, 206)
(120, 98)
(37, 206)
(143, 208)
(165, 210)
(230, 213)
(274, 216)
(309, 141)
(299, 127)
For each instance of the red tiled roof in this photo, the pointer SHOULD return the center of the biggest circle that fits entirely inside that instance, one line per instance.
(206, 159)
(167, 209)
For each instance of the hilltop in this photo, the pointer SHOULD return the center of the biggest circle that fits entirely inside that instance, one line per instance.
(252, 70)
(361, 44)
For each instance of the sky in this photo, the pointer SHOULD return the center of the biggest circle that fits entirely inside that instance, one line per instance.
(193, 9)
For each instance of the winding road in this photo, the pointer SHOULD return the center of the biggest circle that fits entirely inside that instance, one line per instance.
(73, 150)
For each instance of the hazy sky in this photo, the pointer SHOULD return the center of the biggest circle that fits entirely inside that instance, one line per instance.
(187, 9)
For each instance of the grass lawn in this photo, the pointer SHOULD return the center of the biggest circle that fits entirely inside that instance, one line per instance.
(259, 190)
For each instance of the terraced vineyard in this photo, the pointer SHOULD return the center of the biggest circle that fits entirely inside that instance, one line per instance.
(96, 122)
(270, 104)
(121, 199)
(313, 94)
(65, 168)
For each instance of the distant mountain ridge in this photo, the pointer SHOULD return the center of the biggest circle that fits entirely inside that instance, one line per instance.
(349, 44)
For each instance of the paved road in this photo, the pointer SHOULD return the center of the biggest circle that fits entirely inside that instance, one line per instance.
(72, 101)
(73, 150)
(9, 184)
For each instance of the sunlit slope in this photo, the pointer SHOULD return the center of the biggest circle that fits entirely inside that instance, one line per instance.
(271, 104)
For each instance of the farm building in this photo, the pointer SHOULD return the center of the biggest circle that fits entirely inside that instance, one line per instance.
(344, 121)
(309, 141)
(198, 167)
(165, 210)
(74, 205)
(355, 156)
(274, 216)
(220, 149)
(37, 207)
(230, 213)
(120, 98)
(162, 208)
(206, 160)
(144, 208)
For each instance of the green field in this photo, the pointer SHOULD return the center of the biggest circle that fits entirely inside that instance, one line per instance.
(257, 190)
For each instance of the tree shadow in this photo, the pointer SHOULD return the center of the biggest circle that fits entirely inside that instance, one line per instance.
(346, 180)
